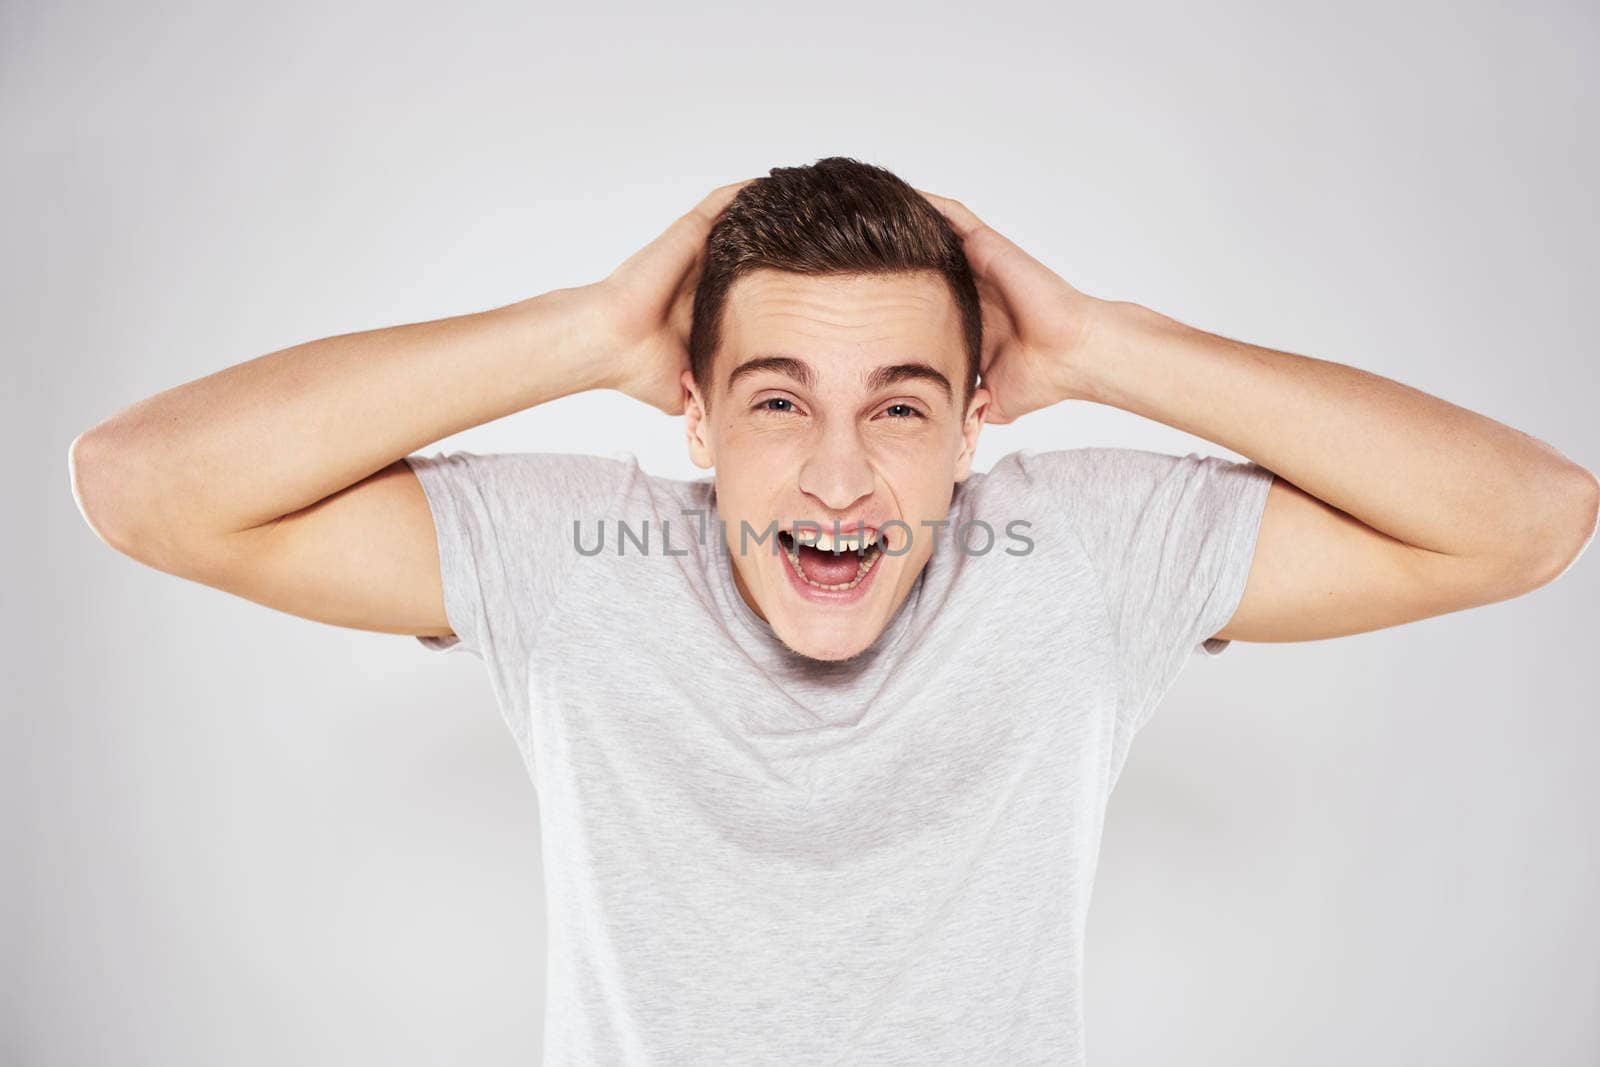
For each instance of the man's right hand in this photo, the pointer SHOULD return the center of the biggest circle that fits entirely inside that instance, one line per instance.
(645, 307)
(282, 479)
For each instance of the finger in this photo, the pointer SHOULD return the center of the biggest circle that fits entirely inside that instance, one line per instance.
(987, 248)
(993, 413)
(967, 225)
(688, 232)
(682, 243)
(961, 217)
(717, 201)
(991, 253)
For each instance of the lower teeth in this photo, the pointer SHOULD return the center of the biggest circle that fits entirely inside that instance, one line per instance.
(867, 563)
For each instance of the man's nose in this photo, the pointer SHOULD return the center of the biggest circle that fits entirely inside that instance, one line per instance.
(837, 472)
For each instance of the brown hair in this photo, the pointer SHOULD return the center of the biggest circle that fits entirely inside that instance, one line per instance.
(835, 216)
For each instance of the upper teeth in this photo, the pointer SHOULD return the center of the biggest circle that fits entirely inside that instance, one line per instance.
(826, 542)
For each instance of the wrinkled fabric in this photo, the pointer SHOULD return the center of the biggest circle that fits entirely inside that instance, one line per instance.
(751, 857)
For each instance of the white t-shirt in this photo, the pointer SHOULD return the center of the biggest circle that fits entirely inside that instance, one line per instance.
(752, 857)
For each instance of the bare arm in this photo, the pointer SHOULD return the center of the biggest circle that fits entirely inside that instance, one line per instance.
(1389, 504)
(240, 449)
(281, 479)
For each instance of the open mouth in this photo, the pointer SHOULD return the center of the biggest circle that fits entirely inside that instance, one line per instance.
(828, 563)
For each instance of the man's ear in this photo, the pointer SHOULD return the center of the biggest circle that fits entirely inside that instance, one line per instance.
(971, 427)
(696, 424)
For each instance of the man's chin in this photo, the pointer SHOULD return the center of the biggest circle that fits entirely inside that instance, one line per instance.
(831, 647)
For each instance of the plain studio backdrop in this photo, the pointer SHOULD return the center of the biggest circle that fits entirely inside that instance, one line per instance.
(239, 837)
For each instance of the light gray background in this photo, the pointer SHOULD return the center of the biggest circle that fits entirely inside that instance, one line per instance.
(234, 836)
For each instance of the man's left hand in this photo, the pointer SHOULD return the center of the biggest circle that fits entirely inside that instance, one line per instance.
(1035, 325)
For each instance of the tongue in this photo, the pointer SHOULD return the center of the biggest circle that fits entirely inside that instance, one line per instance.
(828, 568)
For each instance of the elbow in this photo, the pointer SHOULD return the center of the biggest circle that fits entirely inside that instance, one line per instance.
(83, 457)
(1574, 500)
(93, 465)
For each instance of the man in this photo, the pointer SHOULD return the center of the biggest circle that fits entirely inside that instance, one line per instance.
(822, 765)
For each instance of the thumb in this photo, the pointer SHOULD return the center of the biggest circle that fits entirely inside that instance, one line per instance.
(994, 380)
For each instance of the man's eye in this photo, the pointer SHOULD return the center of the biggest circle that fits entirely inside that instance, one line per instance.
(907, 409)
(762, 405)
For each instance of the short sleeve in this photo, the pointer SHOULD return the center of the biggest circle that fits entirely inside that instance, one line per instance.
(1171, 540)
(504, 527)
(503, 523)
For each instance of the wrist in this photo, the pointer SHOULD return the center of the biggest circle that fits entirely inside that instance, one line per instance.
(562, 338)
(1112, 330)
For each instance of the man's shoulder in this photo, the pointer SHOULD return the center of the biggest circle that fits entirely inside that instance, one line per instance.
(1089, 472)
(1040, 462)
(533, 486)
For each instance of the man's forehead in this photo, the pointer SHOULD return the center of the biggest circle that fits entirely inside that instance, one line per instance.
(873, 329)
(766, 291)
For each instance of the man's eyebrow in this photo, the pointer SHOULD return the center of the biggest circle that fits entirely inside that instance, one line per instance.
(880, 378)
(896, 373)
(798, 369)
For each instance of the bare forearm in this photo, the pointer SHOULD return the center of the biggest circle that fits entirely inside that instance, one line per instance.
(274, 434)
(1418, 468)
